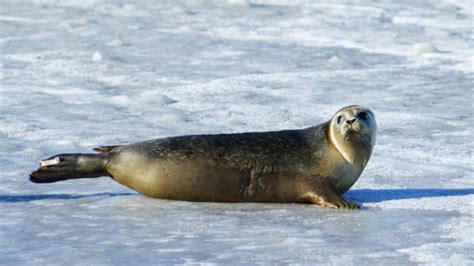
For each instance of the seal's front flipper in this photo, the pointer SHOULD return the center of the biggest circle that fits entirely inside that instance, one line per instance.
(69, 166)
(328, 200)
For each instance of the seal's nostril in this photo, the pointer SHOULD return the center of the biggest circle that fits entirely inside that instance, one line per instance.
(350, 121)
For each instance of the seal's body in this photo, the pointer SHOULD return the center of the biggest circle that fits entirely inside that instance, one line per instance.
(315, 164)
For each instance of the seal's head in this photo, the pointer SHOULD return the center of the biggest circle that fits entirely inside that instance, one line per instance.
(352, 130)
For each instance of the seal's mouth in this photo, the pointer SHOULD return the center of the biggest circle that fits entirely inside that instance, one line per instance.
(349, 137)
(351, 134)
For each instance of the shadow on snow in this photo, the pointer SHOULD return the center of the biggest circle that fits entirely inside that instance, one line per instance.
(359, 195)
(33, 197)
(379, 195)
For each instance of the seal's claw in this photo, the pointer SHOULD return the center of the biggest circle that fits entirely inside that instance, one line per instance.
(349, 205)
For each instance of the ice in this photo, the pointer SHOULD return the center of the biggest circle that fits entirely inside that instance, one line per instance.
(76, 74)
(335, 61)
(96, 57)
(423, 48)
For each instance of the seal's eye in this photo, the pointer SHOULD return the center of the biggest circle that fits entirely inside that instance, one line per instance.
(363, 115)
(339, 118)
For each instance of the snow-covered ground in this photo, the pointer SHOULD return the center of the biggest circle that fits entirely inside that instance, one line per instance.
(75, 74)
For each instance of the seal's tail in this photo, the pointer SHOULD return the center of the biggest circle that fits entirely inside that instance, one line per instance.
(70, 166)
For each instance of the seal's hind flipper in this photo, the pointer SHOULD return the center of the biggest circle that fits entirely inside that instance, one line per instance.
(104, 149)
(69, 166)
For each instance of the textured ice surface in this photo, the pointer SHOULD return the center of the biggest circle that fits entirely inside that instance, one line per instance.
(75, 74)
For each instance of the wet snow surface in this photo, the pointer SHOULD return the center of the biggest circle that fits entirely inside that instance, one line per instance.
(83, 73)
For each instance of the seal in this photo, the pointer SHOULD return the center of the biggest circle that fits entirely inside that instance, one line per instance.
(311, 165)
